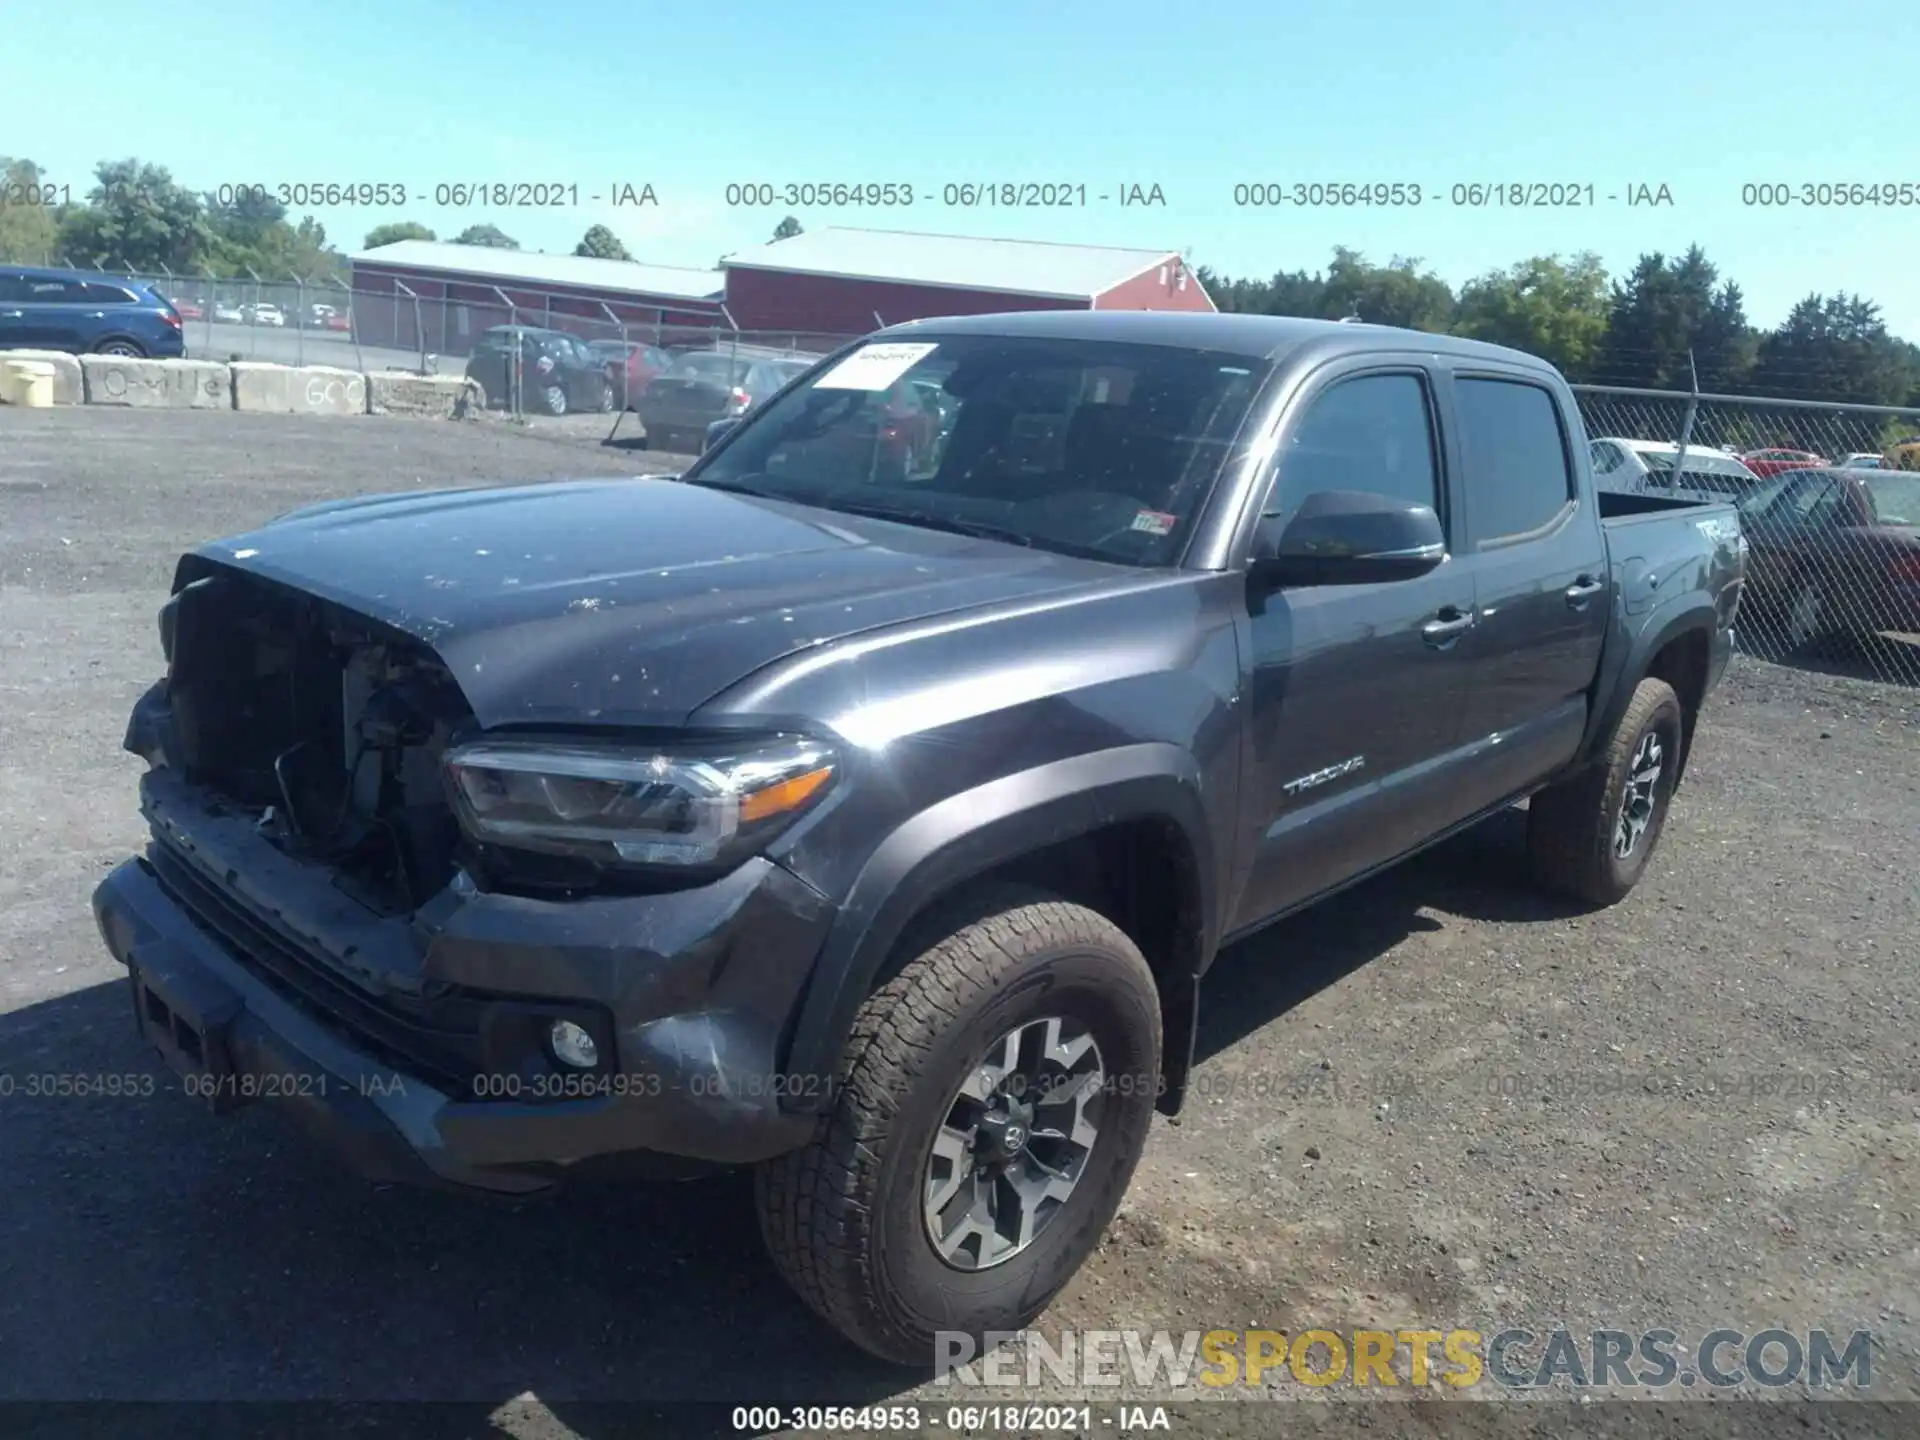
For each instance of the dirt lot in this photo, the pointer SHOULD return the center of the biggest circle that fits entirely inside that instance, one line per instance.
(1436, 1101)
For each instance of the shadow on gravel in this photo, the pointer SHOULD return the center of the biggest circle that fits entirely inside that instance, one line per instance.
(151, 1251)
(1477, 875)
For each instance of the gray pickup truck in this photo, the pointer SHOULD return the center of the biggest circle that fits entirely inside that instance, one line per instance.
(868, 814)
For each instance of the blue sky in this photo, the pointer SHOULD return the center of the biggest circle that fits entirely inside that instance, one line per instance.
(1702, 98)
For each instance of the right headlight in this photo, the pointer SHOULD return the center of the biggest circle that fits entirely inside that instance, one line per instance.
(674, 805)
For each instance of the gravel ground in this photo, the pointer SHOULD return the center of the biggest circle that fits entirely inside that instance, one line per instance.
(1435, 1101)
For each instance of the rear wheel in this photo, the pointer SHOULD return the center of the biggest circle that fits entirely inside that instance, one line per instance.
(128, 348)
(606, 398)
(1591, 836)
(1804, 618)
(992, 1104)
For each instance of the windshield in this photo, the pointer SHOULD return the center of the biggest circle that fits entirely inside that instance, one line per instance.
(1090, 448)
(1896, 497)
(723, 369)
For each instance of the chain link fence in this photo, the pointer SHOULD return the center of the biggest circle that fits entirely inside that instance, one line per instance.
(1829, 501)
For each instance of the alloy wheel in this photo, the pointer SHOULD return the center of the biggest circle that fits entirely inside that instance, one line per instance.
(1803, 615)
(1013, 1143)
(1642, 794)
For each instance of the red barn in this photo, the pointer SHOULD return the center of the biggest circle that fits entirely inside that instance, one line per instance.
(434, 295)
(848, 281)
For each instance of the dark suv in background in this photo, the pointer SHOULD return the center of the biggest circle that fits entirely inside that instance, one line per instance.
(80, 313)
(558, 373)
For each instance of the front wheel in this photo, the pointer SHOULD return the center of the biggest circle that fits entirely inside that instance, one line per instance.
(553, 400)
(992, 1103)
(1591, 836)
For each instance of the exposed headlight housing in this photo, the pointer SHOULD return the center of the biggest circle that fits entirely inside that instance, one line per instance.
(674, 805)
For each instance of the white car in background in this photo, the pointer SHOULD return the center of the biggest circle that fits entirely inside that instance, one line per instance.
(228, 314)
(1864, 460)
(265, 315)
(1646, 467)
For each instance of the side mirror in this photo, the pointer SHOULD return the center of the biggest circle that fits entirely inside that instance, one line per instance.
(718, 431)
(1349, 537)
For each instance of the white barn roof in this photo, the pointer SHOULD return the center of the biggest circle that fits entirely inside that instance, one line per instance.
(485, 263)
(1011, 267)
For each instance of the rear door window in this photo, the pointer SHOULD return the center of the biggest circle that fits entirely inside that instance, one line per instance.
(1518, 477)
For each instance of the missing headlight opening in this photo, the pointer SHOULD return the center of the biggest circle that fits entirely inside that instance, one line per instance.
(328, 727)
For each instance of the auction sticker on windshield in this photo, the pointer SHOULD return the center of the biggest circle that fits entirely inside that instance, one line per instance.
(873, 367)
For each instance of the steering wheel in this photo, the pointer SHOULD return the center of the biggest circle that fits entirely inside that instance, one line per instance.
(1078, 508)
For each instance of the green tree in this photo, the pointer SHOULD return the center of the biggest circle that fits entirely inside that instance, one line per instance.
(395, 231)
(28, 231)
(136, 217)
(1837, 348)
(1397, 293)
(786, 229)
(1545, 306)
(1667, 308)
(602, 244)
(491, 236)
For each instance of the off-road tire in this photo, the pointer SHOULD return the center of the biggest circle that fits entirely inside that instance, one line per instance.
(1571, 826)
(842, 1218)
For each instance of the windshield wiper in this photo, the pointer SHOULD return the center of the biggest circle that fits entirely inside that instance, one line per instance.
(741, 487)
(907, 515)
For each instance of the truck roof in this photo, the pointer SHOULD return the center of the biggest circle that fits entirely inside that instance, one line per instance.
(1264, 337)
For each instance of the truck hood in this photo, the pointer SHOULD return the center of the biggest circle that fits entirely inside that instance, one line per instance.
(627, 601)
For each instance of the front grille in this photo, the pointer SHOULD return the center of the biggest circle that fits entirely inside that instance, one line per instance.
(437, 1041)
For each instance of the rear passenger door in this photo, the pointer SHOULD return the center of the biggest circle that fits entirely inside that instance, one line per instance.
(13, 314)
(1539, 561)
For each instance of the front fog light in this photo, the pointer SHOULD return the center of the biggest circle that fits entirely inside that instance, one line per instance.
(572, 1046)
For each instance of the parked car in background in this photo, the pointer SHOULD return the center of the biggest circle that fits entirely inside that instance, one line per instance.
(1646, 466)
(632, 364)
(265, 314)
(185, 309)
(45, 309)
(1862, 460)
(556, 371)
(1903, 454)
(704, 386)
(1767, 463)
(337, 321)
(1835, 554)
(227, 313)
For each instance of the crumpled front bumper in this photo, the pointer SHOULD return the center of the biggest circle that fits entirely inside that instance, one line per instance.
(697, 987)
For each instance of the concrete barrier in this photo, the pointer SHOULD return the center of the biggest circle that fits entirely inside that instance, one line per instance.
(67, 386)
(157, 384)
(298, 389)
(431, 397)
(26, 383)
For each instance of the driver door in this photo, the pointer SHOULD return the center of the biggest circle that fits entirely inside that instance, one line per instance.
(1357, 691)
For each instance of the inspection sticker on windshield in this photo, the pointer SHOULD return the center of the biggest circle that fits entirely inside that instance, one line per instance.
(1155, 522)
(873, 367)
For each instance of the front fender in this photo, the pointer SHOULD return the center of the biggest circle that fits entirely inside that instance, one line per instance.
(977, 831)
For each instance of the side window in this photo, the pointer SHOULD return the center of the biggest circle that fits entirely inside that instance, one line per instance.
(1606, 459)
(1372, 433)
(105, 295)
(1518, 478)
(43, 291)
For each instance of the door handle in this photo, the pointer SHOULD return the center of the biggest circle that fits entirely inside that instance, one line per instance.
(1583, 590)
(11, 314)
(1447, 627)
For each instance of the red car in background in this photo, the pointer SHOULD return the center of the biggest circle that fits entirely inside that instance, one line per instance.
(185, 309)
(1765, 463)
(631, 365)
